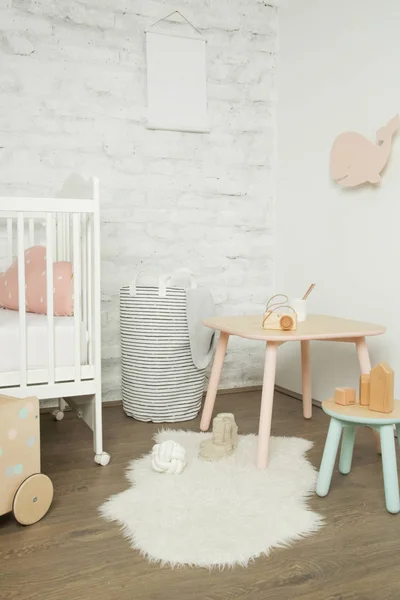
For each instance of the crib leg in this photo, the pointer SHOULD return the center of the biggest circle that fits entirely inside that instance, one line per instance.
(58, 413)
(100, 457)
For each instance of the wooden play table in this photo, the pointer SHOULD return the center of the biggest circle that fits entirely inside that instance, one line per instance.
(316, 327)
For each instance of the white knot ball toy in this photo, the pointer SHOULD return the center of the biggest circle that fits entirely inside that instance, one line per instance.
(168, 457)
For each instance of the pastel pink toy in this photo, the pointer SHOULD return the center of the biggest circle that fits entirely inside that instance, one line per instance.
(24, 490)
(35, 278)
(356, 160)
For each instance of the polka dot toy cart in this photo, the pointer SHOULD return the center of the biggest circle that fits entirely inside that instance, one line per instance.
(24, 490)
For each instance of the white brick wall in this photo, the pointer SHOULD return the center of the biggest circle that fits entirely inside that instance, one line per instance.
(72, 97)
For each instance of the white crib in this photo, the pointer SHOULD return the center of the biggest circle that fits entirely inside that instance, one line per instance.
(56, 357)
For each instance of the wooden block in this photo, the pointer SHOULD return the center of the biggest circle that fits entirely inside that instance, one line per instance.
(345, 396)
(381, 391)
(364, 389)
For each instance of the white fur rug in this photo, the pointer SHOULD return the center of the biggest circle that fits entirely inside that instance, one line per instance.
(217, 514)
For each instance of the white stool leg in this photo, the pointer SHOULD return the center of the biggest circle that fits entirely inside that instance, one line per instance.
(346, 453)
(329, 457)
(398, 434)
(389, 466)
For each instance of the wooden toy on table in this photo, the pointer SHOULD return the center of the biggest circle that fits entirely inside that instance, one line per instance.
(23, 489)
(381, 388)
(279, 315)
(345, 396)
(278, 320)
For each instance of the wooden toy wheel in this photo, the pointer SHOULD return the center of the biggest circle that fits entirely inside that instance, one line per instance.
(32, 499)
(286, 322)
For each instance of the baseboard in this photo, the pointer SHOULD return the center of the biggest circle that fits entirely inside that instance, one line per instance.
(292, 394)
(236, 390)
(223, 392)
(240, 390)
(110, 403)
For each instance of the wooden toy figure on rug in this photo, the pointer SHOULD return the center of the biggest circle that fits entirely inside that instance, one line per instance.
(224, 438)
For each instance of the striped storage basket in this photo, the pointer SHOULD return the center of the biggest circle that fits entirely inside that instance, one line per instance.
(160, 382)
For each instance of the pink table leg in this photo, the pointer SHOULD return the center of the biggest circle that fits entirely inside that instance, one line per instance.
(214, 381)
(363, 355)
(267, 400)
(306, 377)
(365, 368)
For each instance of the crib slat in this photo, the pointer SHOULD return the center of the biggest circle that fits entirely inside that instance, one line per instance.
(84, 270)
(67, 234)
(66, 237)
(90, 288)
(98, 444)
(77, 289)
(31, 232)
(50, 295)
(21, 299)
(56, 253)
(60, 236)
(9, 240)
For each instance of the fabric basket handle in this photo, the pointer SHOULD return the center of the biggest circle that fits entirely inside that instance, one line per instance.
(134, 282)
(162, 281)
(191, 281)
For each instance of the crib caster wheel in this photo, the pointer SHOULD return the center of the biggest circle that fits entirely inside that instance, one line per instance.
(32, 499)
(58, 414)
(102, 459)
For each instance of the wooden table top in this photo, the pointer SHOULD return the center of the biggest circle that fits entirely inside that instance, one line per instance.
(316, 327)
(355, 413)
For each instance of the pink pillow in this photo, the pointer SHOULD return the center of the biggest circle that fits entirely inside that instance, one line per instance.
(35, 283)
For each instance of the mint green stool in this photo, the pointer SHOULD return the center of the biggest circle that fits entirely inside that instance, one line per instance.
(345, 419)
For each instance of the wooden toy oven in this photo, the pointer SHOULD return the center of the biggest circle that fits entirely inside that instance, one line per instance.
(23, 489)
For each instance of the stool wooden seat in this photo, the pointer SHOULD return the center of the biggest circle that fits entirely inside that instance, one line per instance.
(345, 419)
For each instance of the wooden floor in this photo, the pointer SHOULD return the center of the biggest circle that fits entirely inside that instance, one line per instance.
(72, 554)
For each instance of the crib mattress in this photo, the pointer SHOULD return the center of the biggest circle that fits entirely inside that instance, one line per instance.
(37, 341)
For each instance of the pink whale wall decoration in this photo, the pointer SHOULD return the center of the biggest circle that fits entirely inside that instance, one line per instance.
(356, 160)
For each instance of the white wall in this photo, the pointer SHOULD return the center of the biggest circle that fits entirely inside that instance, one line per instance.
(339, 71)
(72, 97)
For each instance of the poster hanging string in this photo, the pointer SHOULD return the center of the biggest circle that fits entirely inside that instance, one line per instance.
(175, 12)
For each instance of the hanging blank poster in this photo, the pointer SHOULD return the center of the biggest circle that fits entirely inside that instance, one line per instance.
(176, 83)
